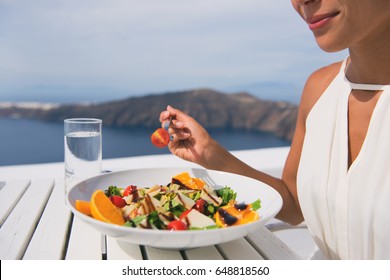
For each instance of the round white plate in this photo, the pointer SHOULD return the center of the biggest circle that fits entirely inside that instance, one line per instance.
(248, 190)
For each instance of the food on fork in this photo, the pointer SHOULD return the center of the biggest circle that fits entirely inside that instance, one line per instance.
(160, 138)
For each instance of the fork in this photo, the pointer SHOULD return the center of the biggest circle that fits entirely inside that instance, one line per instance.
(205, 176)
(166, 127)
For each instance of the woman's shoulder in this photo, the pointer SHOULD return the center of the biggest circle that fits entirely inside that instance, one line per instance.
(325, 75)
(317, 83)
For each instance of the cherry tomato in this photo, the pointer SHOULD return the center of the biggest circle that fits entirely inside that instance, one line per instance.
(184, 214)
(200, 205)
(118, 201)
(160, 138)
(129, 190)
(177, 225)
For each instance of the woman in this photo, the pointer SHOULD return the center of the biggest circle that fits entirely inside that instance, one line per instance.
(336, 176)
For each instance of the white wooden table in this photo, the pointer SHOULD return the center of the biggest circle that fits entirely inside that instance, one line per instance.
(36, 224)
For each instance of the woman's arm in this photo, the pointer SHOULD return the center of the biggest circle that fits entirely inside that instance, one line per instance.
(193, 143)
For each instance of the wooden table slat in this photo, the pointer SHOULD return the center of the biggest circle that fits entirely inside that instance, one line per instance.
(239, 249)
(9, 197)
(162, 254)
(120, 250)
(84, 242)
(17, 230)
(50, 236)
(270, 246)
(203, 253)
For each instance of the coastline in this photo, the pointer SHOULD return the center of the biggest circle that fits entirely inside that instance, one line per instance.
(26, 141)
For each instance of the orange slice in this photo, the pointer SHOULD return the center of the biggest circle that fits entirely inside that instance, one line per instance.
(199, 183)
(84, 207)
(185, 180)
(102, 209)
(229, 215)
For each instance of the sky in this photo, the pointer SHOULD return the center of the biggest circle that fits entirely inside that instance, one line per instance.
(97, 50)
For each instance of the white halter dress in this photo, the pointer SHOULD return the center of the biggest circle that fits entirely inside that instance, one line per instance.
(347, 210)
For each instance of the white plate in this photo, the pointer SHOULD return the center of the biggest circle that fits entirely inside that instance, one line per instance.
(248, 190)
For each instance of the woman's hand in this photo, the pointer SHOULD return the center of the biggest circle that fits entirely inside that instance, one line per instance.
(191, 141)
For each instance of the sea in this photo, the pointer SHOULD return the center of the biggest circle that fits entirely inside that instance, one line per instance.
(27, 141)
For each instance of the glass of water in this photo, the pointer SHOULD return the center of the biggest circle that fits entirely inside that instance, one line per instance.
(83, 149)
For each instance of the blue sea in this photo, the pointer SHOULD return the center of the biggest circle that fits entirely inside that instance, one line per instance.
(25, 141)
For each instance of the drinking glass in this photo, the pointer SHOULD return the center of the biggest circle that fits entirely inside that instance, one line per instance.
(83, 149)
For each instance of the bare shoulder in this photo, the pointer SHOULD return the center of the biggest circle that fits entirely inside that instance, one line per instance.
(316, 84)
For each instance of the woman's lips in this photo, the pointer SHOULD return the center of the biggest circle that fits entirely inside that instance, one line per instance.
(318, 21)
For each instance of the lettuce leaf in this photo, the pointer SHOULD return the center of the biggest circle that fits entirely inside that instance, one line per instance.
(226, 194)
(256, 205)
(155, 220)
(113, 190)
(135, 221)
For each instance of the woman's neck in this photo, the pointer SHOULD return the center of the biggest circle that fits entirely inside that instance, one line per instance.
(370, 61)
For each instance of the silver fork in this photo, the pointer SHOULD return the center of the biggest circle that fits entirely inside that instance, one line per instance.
(205, 176)
(166, 127)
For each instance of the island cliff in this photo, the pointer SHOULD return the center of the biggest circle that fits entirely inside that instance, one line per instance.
(211, 108)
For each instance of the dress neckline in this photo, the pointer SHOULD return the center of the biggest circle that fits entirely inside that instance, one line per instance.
(369, 87)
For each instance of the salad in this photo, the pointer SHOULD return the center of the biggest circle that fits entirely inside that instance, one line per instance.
(185, 203)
